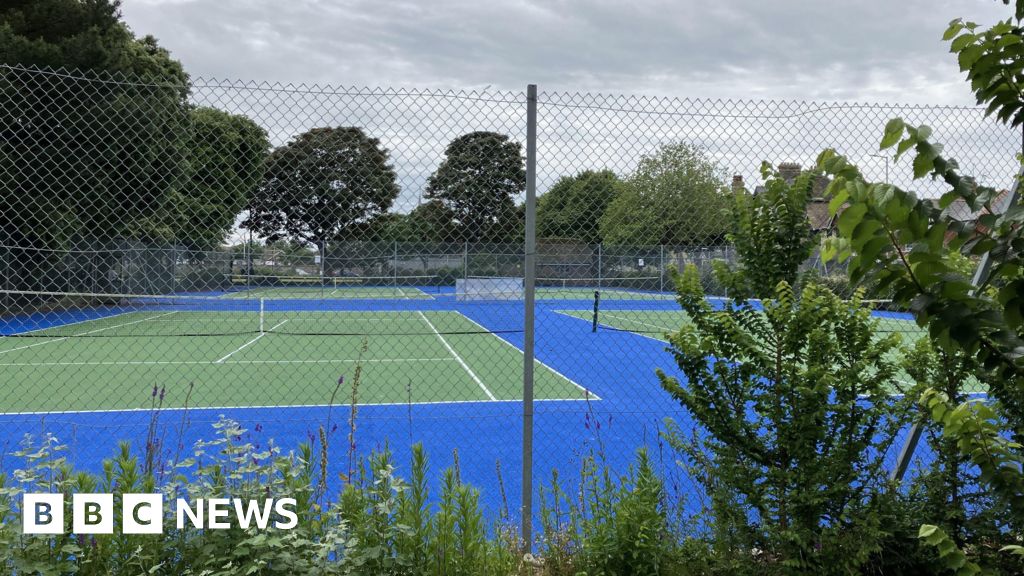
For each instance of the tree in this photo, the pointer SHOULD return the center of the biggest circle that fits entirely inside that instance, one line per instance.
(793, 393)
(481, 174)
(98, 154)
(912, 249)
(771, 233)
(322, 184)
(227, 153)
(676, 196)
(573, 207)
(430, 222)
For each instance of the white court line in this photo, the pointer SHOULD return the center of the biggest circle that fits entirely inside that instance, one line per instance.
(87, 333)
(457, 357)
(250, 342)
(590, 394)
(425, 293)
(281, 406)
(232, 362)
(648, 336)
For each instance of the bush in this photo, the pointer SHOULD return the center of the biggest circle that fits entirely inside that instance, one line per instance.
(610, 526)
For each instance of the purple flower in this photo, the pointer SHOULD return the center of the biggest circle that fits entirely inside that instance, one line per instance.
(162, 390)
(259, 427)
(341, 380)
(154, 391)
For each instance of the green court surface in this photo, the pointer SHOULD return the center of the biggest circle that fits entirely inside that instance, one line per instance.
(656, 323)
(329, 291)
(113, 363)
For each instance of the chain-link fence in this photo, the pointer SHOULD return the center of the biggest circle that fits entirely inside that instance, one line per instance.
(297, 257)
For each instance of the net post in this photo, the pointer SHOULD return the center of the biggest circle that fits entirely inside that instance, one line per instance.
(529, 282)
(394, 265)
(600, 265)
(261, 316)
(597, 306)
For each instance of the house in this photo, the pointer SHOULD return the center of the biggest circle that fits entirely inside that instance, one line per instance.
(817, 208)
(959, 211)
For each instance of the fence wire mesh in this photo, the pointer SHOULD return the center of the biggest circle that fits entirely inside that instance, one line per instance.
(301, 256)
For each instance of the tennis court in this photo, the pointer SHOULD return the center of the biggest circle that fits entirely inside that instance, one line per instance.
(290, 351)
(657, 323)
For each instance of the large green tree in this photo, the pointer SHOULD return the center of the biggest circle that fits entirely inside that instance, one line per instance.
(321, 185)
(676, 196)
(95, 158)
(573, 207)
(477, 182)
(226, 155)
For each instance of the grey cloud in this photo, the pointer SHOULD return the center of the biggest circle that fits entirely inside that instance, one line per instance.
(870, 50)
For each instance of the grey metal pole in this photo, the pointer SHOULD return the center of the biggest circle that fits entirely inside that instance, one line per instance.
(394, 264)
(599, 266)
(914, 436)
(661, 270)
(529, 280)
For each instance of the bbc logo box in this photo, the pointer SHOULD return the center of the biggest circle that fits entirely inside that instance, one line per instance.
(94, 513)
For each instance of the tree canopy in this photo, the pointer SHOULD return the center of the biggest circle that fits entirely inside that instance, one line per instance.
(477, 181)
(771, 233)
(573, 207)
(226, 161)
(320, 185)
(676, 196)
(95, 159)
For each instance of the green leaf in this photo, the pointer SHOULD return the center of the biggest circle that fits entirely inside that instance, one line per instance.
(954, 28)
(850, 217)
(893, 132)
(837, 202)
(962, 42)
(923, 164)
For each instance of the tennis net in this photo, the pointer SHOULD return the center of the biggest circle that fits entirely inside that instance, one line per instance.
(84, 315)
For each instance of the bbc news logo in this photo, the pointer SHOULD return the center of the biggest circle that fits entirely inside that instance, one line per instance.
(144, 513)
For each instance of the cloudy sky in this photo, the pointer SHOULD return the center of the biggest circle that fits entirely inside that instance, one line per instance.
(866, 50)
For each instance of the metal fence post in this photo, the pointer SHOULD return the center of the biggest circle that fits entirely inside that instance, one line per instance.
(529, 279)
(600, 265)
(914, 435)
(394, 264)
(661, 270)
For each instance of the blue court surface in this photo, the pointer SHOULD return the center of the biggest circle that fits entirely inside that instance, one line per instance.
(440, 371)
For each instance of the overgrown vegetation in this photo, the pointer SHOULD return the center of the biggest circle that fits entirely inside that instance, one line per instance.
(914, 250)
(791, 399)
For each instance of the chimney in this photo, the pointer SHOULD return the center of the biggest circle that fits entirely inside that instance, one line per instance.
(737, 184)
(789, 171)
